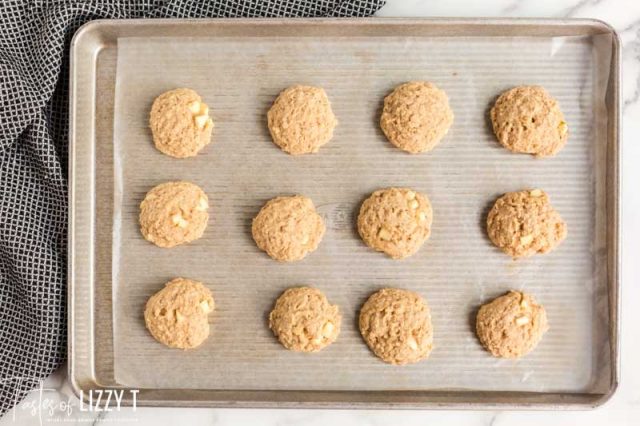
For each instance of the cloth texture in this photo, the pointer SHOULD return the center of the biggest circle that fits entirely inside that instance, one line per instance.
(34, 76)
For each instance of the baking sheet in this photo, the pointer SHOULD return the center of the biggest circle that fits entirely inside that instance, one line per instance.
(456, 270)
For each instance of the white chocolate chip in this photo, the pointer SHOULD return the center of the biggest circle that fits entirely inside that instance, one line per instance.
(411, 195)
(194, 107)
(535, 193)
(422, 216)
(522, 320)
(328, 329)
(201, 121)
(524, 304)
(205, 306)
(563, 128)
(305, 239)
(527, 239)
(203, 205)
(414, 204)
(149, 237)
(179, 317)
(178, 220)
(383, 234)
(411, 342)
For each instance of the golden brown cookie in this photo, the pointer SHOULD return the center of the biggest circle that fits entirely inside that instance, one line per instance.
(416, 116)
(174, 213)
(301, 120)
(511, 325)
(180, 123)
(526, 119)
(177, 315)
(396, 221)
(288, 228)
(303, 320)
(524, 223)
(396, 324)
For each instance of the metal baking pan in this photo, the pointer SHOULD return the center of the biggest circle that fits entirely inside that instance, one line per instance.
(239, 66)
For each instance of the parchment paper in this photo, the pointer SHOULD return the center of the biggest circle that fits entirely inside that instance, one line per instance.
(457, 270)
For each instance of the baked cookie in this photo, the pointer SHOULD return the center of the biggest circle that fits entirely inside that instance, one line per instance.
(174, 213)
(303, 320)
(396, 221)
(528, 120)
(177, 315)
(301, 120)
(288, 228)
(416, 116)
(180, 123)
(396, 324)
(524, 223)
(511, 325)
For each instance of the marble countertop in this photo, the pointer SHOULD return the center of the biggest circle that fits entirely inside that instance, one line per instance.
(622, 409)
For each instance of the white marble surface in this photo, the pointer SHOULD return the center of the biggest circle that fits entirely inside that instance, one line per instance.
(43, 407)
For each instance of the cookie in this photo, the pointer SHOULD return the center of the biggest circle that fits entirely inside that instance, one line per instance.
(303, 320)
(174, 213)
(511, 325)
(176, 316)
(396, 221)
(301, 120)
(180, 123)
(528, 120)
(288, 228)
(524, 223)
(396, 325)
(416, 116)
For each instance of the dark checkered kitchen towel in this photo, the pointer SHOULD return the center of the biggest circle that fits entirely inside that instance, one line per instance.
(34, 59)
